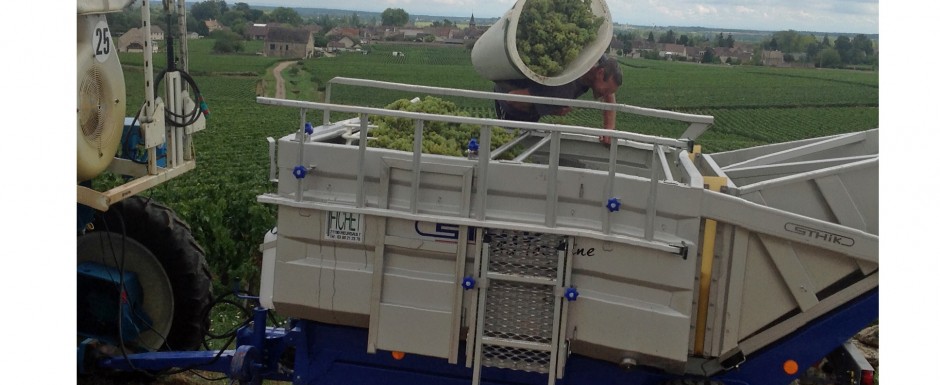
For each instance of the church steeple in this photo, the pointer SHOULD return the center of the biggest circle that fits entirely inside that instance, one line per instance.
(473, 23)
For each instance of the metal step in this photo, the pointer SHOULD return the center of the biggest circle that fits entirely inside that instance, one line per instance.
(521, 309)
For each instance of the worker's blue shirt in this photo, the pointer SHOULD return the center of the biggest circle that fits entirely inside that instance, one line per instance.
(571, 90)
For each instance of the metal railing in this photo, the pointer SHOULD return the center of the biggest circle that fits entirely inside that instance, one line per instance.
(658, 166)
(698, 124)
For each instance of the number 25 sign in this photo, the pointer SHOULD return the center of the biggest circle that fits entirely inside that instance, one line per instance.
(101, 42)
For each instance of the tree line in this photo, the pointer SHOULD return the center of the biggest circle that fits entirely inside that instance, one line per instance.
(857, 50)
(800, 48)
(796, 47)
(240, 16)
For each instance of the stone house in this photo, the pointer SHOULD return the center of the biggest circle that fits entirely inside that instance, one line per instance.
(468, 33)
(213, 25)
(772, 58)
(133, 41)
(346, 42)
(441, 33)
(288, 42)
(256, 32)
(411, 33)
(353, 33)
(616, 47)
(335, 46)
(672, 50)
(156, 33)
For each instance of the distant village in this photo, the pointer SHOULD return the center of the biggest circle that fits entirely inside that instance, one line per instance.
(284, 40)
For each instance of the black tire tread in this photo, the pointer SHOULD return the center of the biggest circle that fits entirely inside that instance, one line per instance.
(170, 239)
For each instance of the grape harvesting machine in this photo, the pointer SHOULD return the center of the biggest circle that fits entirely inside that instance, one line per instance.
(550, 259)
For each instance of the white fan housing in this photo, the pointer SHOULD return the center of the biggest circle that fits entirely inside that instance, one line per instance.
(101, 96)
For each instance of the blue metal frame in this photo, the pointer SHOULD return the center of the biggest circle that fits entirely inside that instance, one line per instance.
(133, 145)
(102, 298)
(807, 345)
(333, 354)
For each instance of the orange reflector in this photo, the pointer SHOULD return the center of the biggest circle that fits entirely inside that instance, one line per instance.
(398, 355)
(791, 367)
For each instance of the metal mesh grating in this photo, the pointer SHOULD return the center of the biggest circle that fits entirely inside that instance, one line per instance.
(518, 311)
(93, 111)
(516, 358)
(523, 253)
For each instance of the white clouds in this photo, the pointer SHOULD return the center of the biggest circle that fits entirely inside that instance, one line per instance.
(744, 11)
(851, 16)
(701, 10)
(854, 16)
(393, 3)
(455, 3)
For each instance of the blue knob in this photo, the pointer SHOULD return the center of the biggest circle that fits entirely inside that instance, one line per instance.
(613, 204)
(473, 146)
(468, 283)
(308, 128)
(571, 294)
(300, 172)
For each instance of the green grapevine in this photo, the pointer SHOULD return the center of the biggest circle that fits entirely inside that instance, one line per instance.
(552, 33)
(438, 137)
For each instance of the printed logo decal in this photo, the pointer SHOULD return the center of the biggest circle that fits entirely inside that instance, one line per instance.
(815, 234)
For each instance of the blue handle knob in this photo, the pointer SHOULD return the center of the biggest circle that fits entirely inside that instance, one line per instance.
(613, 204)
(571, 294)
(468, 283)
(473, 146)
(300, 172)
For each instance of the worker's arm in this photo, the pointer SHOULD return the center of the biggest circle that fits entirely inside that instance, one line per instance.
(610, 118)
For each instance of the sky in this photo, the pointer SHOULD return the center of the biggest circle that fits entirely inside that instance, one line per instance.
(837, 16)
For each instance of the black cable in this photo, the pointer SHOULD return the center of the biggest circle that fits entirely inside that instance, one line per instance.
(121, 285)
(231, 335)
(170, 118)
(221, 300)
(274, 320)
(186, 118)
(197, 374)
(191, 116)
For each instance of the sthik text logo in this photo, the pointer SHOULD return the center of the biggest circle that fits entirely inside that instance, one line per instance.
(825, 236)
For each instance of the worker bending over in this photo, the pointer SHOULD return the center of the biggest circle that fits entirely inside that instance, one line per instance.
(602, 79)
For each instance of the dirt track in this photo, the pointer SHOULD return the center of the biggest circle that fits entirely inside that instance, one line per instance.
(279, 90)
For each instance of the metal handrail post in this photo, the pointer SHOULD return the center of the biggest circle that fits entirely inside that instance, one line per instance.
(416, 164)
(483, 162)
(326, 99)
(611, 178)
(361, 178)
(651, 199)
(551, 198)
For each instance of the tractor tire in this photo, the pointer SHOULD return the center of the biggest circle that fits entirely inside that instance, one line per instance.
(160, 230)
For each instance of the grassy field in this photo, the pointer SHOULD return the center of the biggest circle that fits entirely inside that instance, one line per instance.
(751, 106)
